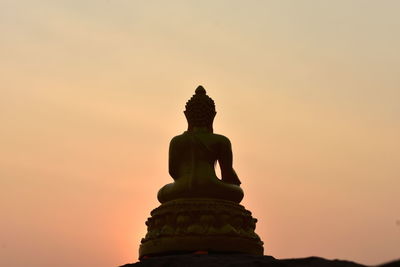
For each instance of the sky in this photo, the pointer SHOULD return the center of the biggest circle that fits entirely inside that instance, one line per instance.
(91, 92)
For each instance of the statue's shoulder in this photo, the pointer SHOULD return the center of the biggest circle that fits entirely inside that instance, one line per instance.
(179, 138)
(222, 139)
(213, 137)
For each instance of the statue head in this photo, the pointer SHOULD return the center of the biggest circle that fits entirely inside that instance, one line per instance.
(200, 110)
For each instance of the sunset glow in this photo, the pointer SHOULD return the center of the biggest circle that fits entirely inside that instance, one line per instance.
(92, 92)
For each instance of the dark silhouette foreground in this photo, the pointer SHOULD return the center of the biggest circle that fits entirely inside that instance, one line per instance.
(238, 260)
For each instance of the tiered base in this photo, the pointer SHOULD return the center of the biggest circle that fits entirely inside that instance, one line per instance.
(186, 225)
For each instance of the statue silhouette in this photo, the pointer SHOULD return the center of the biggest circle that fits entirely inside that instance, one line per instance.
(199, 211)
(194, 154)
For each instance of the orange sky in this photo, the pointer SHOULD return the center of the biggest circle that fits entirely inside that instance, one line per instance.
(92, 92)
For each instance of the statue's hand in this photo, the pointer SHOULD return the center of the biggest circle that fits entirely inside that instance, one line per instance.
(236, 182)
(232, 178)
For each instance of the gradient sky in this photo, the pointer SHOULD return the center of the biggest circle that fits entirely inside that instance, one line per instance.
(92, 92)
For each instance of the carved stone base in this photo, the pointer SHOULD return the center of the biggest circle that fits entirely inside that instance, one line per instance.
(193, 224)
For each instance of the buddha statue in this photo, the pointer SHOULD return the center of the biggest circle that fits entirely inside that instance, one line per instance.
(199, 211)
(194, 154)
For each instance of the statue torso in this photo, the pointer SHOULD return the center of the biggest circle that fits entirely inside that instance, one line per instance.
(193, 156)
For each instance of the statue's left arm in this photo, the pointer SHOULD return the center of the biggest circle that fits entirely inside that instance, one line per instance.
(172, 159)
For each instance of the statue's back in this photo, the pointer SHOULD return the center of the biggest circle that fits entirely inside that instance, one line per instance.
(193, 156)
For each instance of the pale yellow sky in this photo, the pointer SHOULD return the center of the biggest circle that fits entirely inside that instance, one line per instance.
(92, 92)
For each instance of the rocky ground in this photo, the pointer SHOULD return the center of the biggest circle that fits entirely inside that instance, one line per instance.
(236, 260)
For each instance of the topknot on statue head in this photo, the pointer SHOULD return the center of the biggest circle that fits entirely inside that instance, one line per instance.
(200, 90)
(200, 109)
